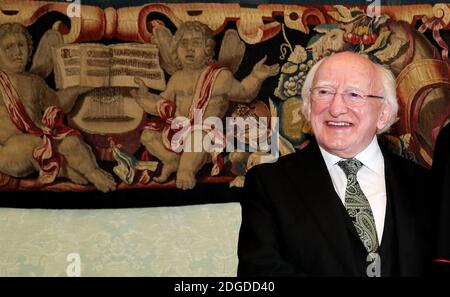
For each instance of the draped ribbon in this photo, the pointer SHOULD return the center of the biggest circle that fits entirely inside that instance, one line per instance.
(409, 35)
(435, 24)
(49, 160)
(166, 111)
(176, 131)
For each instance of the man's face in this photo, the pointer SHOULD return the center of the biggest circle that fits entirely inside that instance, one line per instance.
(341, 129)
(191, 50)
(13, 52)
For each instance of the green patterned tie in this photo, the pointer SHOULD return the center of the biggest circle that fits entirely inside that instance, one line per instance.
(358, 207)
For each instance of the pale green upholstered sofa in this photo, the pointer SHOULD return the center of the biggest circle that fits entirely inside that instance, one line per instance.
(195, 240)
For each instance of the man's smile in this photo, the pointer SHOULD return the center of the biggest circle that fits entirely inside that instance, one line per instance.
(338, 124)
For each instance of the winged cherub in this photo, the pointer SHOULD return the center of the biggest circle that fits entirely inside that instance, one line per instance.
(194, 70)
(32, 137)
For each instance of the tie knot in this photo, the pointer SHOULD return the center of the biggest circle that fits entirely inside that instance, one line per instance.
(350, 166)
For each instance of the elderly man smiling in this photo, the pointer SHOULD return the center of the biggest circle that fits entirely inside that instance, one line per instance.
(342, 206)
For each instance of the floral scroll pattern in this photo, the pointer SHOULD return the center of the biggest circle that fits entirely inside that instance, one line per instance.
(176, 241)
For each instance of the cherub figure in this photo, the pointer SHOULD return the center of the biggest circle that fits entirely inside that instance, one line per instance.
(193, 69)
(31, 139)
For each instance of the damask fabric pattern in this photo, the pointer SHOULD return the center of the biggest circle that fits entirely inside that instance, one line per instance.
(198, 240)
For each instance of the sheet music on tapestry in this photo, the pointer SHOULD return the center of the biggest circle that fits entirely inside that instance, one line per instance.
(115, 65)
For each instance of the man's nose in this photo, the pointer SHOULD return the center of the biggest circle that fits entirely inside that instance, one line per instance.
(337, 105)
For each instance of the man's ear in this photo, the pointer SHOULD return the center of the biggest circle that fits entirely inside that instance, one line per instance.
(385, 116)
(306, 109)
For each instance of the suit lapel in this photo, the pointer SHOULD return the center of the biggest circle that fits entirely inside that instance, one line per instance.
(388, 244)
(315, 190)
(403, 218)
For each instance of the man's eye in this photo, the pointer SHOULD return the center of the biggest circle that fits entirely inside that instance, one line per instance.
(325, 92)
(354, 95)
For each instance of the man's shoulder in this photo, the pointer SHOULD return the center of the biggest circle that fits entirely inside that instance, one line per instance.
(287, 163)
(404, 166)
(283, 161)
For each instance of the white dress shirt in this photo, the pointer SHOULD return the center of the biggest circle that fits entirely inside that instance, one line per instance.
(370, 177)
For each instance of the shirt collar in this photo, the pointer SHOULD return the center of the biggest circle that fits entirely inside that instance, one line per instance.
(371, 157)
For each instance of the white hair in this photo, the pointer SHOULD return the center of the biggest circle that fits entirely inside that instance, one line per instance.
(389, 93)
(387, 81)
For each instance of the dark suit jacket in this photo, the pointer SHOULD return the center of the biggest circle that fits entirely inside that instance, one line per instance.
(294, 224)
(441, 186)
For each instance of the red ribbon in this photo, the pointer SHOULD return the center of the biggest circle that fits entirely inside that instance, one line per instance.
(166, 110)
(435, 24)
(49, 160)
(52, 129)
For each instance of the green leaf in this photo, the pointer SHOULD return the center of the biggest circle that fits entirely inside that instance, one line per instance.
(313, 39)
(356, 12)
(380, 42)
(324, 28)
(379, 21)
(289, 68)
(345, 15)
(344, 11)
